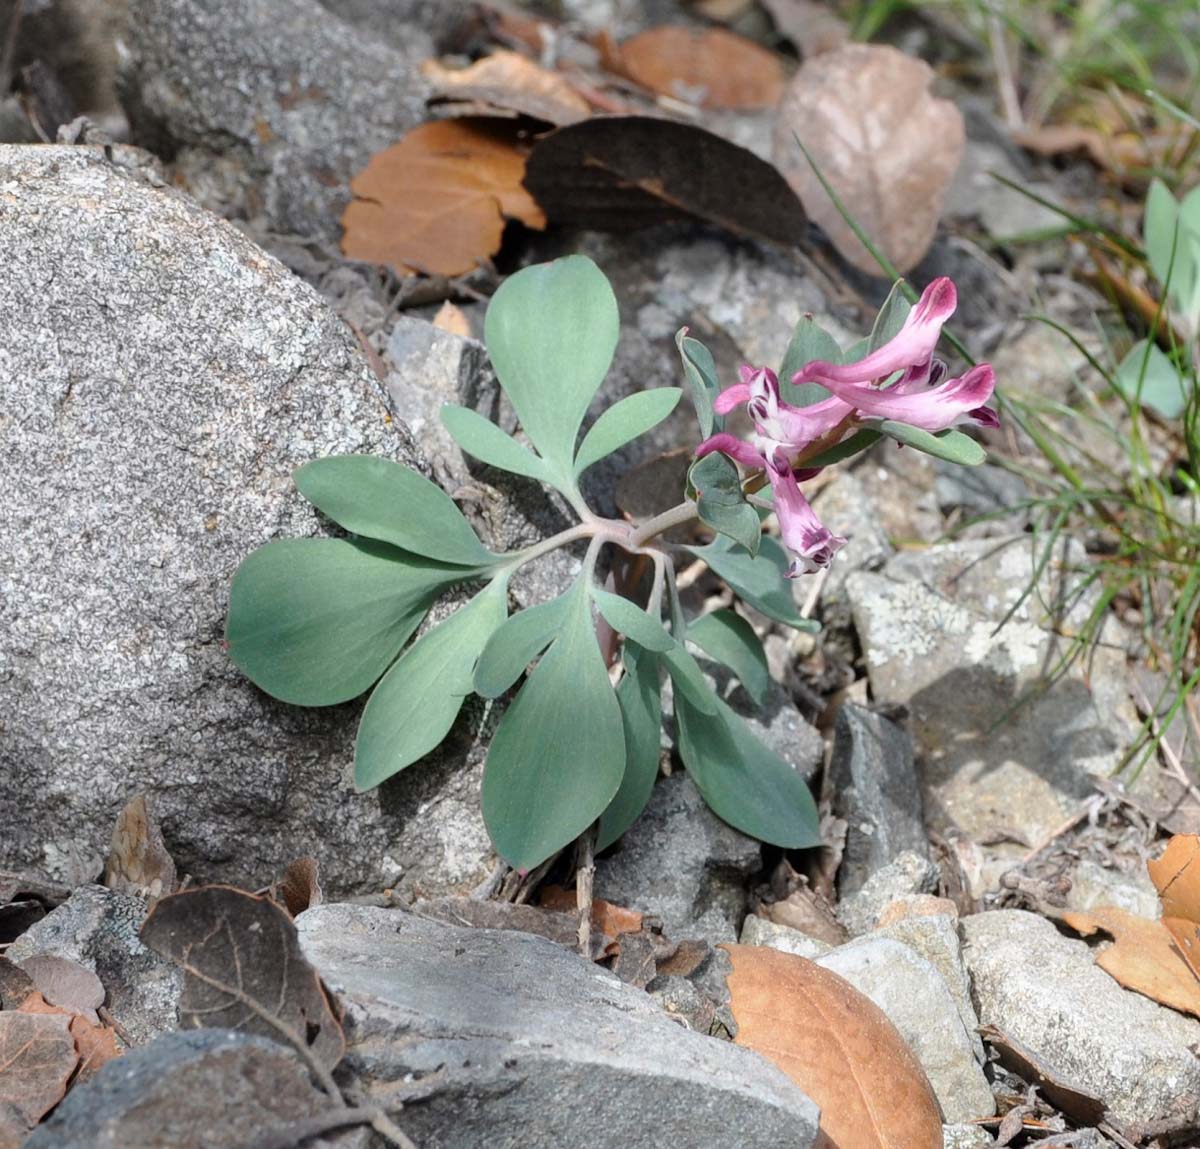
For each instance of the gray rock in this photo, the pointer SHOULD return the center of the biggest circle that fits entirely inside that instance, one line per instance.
(983, 490)
(269, 106)
(680, 862)
(965, 1137)
(846, 508)
(875, 788)
(757, 931)
(935, 938)
(156, 393)
(393, 22)
(98, 928)
(908, 873)
(928, 625)
(911, 991)
(533, 1046)
(210, 1088)
(1095, 885)
(1044, 991)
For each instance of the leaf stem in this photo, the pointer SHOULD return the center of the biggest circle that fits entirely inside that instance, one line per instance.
(684, 513)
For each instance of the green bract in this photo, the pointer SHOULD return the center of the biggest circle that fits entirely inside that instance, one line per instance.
(579, 678)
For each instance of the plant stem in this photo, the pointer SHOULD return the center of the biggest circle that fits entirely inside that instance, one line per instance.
(684, 513)
(572, 534)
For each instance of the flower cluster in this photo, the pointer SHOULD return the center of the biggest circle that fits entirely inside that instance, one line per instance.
(900, 381)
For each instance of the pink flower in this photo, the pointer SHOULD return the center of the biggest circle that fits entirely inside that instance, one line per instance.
(737, 449)
(910, 350)
(812, 544)
(960, 400)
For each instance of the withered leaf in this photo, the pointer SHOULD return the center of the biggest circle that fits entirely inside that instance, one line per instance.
(1176, 876)
(711, 67)
(838, 1046)
(1144, 956)
(436, 201)
(138, 862)
(66, 983)
(95, 1043)
(244, 969)
(510, 81)
(887, 147)
(1061, 1092)
(607, 917)
(301, 886)
(619, 172)
(37, 1058)
(453, 319)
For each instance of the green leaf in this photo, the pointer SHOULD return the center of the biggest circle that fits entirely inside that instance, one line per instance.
(760, 580)
(744, 782)
(890, 318)
(1148, 375)
(516, 644)
(809, 341)
(557, 757)
(730, 639)
(859, 441)
(1172, 233)
(632, 416)
(951, 445)
(720, 501)
(483, 440)
(1159, 224)
(316, 621)
(418, 699)
(632, 621)
(640, 698)
(383, 500)
(701, 374)
(689, 679)
(551, 331)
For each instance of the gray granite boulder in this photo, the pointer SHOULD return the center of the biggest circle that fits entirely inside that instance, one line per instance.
(269, 107)
(1044, 991)
(910, 872)
(160, 380)
(525, 1044)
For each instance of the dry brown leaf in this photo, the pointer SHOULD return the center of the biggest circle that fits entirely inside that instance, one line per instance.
(887, 147)
(838, 1046)
(707, 66)
(805, 910)
(1060, 1091)
(1176, 876)
(138, 862)
(436, 202)
(453, 319)
(301, 886)
(66, 983)
(608, 918)
(37, 1058)
(510, 81)
(95, 1043)
(1144, 956)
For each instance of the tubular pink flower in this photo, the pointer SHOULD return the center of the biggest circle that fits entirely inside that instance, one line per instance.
(955, 401)
(730, 398)
(812, 544)
(737, 449)
(781, 423)
(910, 349)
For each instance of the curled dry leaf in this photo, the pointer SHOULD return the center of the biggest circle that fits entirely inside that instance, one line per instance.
(37, 1058)
(66, 983)
(1176, 876)
(138, 862)
(706, 66)
(436, 202)
(1143, 957)
(1060, 1091)
(512, 82)
(95, 1043)
(887, 147)
(615, 173)
(244, 969)
(838, 1046)
(301, 886)
(609, 919)
(452, 319)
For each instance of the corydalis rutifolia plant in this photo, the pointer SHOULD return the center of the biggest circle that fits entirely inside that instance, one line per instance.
(319, 621)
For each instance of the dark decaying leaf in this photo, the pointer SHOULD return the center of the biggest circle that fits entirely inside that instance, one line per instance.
(138, 862)
(301, 886)
(1062, 1093)
(244, 969)
(37, 1058)
(614, 173)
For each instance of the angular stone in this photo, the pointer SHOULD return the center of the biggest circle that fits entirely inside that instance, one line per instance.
(966, 1137)
(98, 928)
(928, 626)
(681, 863)
(758, 931)
(1046, 992)
(907, 873)
(206, 1089)
(157, 391)
(1095, 885)
(913, 994)
(532, 1045)
(875, 788)
(269, 106)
